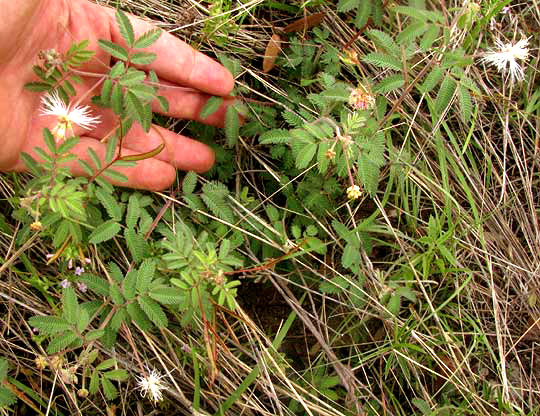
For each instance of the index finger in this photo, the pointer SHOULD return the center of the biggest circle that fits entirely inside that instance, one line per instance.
(178, 62)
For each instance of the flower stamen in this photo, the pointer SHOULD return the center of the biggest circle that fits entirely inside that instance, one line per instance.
(66, 115)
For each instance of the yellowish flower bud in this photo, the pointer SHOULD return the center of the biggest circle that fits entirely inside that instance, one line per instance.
(354, 192)
(36, 226)
(41, 362)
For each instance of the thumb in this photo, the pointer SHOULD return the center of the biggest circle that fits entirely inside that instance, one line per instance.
(15, 18)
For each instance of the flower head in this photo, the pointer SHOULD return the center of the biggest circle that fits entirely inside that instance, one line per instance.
(350, 56)
(506, 56)
(41, 362)
(79, 270)
(36, 226)
(361, 100)
(65, 283)
(152, 385)
(67, 116)
(354, 192)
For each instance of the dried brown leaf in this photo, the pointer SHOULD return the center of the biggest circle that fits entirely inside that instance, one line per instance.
(305, 22)
(272, 51)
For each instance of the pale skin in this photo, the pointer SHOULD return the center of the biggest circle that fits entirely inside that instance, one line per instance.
(188, 79)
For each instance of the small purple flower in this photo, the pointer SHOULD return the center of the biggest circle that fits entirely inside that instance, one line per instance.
(49, 256)
(35, 330)
(65, 283)
(79, 270)
(82, 287)
(87, 260)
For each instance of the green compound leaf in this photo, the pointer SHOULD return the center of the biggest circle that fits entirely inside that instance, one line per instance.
(83, 320)
(104, 232)
(3, 369)
(137, 110)
(132, 77)
(154, 312)
(429, 37)
(421, 14)
(116, 294)
(133, 211)
(385, 41)
(382, 60)
(37, 86)
(106, 92)
(49, 140)
(108, 389)
(104, 365)
(390, 83)
(94, 334)
(143, 58)
(305, 156)
(95, 283)
(94, 383)
(137, 315)
(147, 39)
(115, 175)
(276, 136)
(117, 375)
(62, 341)
(117, 99)
(432, 79)
(125, 27)
(215, 197)
(465, 103)
(70, 305)
(135, 243)
(211, 106)
(113, 49)
(168, 295)
(110, 204)
(130, 284)
(189, 182)
(445, 94)
(144, 92)
(7, 398)
(345, 6)
(362, 13)
(163, 103)
(117, 70)
(411, 32)
(232, 125)
(49, 324)
(145, 276)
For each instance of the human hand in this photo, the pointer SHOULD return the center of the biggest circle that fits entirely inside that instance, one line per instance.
(188, 78)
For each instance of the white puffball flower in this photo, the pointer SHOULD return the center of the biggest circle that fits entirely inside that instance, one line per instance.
(506, 56)
(67, 116)
(152, 385)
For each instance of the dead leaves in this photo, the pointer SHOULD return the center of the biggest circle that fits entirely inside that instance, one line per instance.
(271, 53)
(273, 48)
(305, 23)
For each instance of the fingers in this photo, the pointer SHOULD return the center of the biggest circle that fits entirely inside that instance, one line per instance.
(155, 173)
(151, 174)
(188, 104)
(178, 62)
(179, 151)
